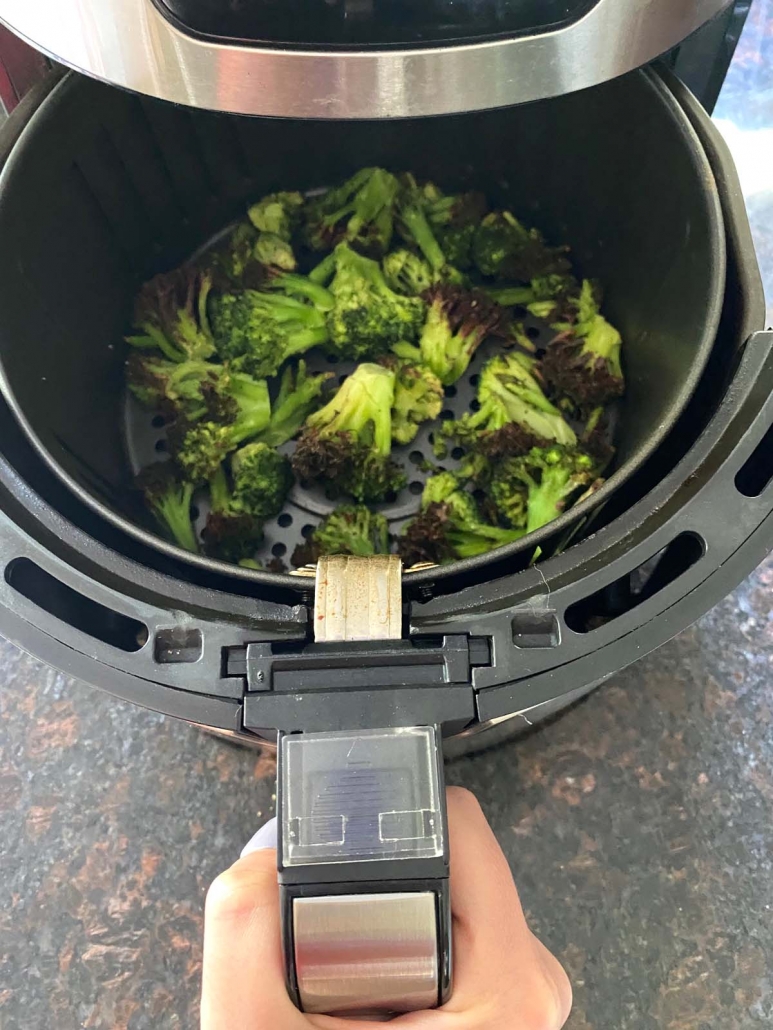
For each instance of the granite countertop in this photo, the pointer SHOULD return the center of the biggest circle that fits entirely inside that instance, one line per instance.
(638, 824)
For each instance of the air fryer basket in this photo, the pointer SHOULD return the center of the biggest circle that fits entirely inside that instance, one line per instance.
(105, 189)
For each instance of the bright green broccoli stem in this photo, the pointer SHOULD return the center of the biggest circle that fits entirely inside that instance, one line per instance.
(511, 296)
(297, 398)
(362, 407)
(324, 271)
(302, 340)
(481, 538)
(420, 230)
(173, 509)
(604, 341)
(254, 403)
(219, 493)
(304, 286)
(154, 338)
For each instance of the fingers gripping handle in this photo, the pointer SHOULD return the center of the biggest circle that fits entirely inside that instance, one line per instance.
(363, 870)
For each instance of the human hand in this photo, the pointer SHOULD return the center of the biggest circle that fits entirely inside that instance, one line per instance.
(504, 978)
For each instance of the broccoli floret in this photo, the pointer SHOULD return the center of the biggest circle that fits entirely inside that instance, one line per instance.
(514, 414)
(414, 225)
(262, 480)
(506, 249)
(583, 361)
(272, 252)
(201, 447)
(231, 532)
(347, 443)
(256, 332)
(246, 259)
(359, 212)
(551, 297)
(171, 314)
(368, 317)
(278, 214)
(168, 494)
(350, 529)
(407, 273)
(449, 526)
(454, 220)
(297, 398)
(187, 389)
(458, 321)
(534, 489)
(418, 397)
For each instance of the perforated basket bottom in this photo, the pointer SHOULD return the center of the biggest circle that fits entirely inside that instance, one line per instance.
(307, 504)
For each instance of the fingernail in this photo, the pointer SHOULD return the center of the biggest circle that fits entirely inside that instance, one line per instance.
(264, 838)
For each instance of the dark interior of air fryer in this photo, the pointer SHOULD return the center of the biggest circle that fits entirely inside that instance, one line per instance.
(119, 187)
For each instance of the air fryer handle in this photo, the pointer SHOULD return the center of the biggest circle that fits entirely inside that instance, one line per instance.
(362, 856)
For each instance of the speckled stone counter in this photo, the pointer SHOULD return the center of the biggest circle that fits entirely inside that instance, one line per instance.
(638, 825)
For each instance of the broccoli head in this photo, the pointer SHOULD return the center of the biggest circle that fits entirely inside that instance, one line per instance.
(279, 214)
(551, 297)
(583, 361)
(418, 397)
(454, 220)
(449, 526)
(347, 443)
(262, 480)
(168, 494)
(231, 532)
(256, 332)
(514, 413)
(368, 317)
(414, 225)
(298, 396)
(359, 212)
(171, 314)
(246, 259)
(350, 529)
(187, 389)
(532, 490)
(200, 447)
(407, 273)
(506, 249)
(458, 321)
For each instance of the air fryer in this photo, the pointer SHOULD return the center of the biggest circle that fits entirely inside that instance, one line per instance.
(101, 188)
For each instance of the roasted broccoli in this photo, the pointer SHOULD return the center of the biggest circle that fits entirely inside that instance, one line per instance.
(532, 490)
(359, 212)
(297, 398)
(514, 414)
(414, 225)
(418, 397)
(449, 526)
(506, 249)
(279, 214)
(246, 259)
(350, 529)
(407, 273)
(231, 532)
(551, 297)
(454, 220)
(199, 448)
(583, 361)
(347, 443)
(190, 389)
(458, 321)
(168, 494)
(256, 331)
(262, 480)
(368, 317)
(171, 314)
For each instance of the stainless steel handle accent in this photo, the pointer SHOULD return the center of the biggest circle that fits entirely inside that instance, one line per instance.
(131, 44)
(366, 953)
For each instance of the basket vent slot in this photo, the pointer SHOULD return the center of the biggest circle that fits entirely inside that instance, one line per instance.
(77, 610)
(756, 473)
(636, 587)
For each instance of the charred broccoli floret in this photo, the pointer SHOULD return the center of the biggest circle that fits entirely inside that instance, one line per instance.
(449, 526)
(368, 317)
(279, 214)
(454, 219)
(171, 314)
(514, 414)
(256, 332)
(583, 361)
(247, 259)
(506, 249)
(262, 480)
(350, 529)
(168, 494)
(297, 398)
(551, 297)
(458, 321)
(418, 397)
(199, 448)
(347, 443)
(231, 533)
(359, 212)
(187, 389)
(532, 490)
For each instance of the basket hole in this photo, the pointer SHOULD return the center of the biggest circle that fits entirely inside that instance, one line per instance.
(450, 391)
(279, 550)
(332, 359)
(195, 512)
(416, 487)
(158, 421)
(536, 629)
(342, 378)
(446, 415)
(160, 447)
(474, 405)
(637, 586)
(178, 646)
(390, 498)
(416, 457)
(475, 379)
(757, 471)
(307, 531)
(532, 332)
(457, 453)
(285, 520)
